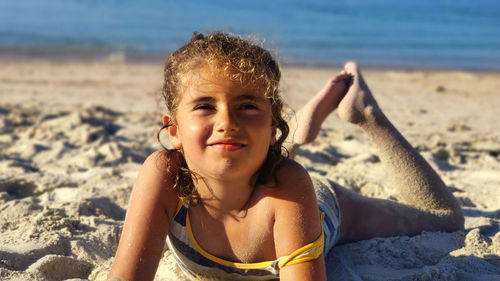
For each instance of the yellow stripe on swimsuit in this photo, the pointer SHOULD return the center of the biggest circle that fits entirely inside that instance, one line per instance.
(199, 264)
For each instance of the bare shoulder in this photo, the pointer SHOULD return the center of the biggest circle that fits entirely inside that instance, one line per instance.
(156, 178)
(296, 209)
(294, 184)
(151, 208)
(160, 161)
(293, 180)
(297, 221)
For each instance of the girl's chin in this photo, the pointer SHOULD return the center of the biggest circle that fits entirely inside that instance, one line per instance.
(228, 172)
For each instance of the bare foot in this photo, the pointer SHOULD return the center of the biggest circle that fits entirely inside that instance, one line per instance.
(307, 124)
(358, 104)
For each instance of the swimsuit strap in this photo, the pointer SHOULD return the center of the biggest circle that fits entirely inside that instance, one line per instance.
(307, 253)
(180, 203)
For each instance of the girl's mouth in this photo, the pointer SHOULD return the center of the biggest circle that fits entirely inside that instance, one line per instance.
(227, 146)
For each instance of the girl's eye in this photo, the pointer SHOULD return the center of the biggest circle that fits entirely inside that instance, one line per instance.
(203, 107)
(248, 106)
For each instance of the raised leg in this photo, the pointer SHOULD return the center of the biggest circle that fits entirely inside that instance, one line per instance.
(305, 126)
(428, 204)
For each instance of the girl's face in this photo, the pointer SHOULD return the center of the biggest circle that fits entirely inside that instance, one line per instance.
(223, 128)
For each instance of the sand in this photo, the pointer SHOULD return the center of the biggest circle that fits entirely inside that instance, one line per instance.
(73, 136)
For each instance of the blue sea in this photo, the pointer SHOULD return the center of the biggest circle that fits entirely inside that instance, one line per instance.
(455, 34)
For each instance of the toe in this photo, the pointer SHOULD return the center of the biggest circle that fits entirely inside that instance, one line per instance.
(351, 67)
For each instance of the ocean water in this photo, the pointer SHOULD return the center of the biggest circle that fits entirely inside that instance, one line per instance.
(427, 33)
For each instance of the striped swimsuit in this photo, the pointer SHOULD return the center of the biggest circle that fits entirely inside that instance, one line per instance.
(199, 264)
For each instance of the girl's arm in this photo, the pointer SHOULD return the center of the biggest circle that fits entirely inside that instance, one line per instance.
(151, 207)
(297, 222)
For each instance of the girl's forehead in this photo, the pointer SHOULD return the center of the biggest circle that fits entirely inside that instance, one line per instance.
(205, 81)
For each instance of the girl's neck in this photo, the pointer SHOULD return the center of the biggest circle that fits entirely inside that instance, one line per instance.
(222, 198)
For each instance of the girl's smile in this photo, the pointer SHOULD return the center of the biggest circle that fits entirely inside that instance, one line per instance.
(227, 145)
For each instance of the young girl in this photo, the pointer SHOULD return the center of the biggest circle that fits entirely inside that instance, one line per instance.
(226, 201)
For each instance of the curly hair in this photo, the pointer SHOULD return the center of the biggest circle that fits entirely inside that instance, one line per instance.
(235, 59)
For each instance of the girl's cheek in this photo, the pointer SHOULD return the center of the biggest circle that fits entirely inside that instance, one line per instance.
(198, 130)
(259, 120)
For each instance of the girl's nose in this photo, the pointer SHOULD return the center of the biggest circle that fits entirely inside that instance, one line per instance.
(226, 121)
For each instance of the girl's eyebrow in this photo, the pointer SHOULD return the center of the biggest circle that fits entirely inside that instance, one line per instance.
(250, 97)
(256, 98)
(202, 99)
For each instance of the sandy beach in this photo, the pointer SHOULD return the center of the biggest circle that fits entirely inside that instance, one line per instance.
(73, 136)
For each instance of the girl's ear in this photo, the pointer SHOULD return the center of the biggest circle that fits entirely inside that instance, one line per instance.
(165, 119)
(273, 135)
(172, 131)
